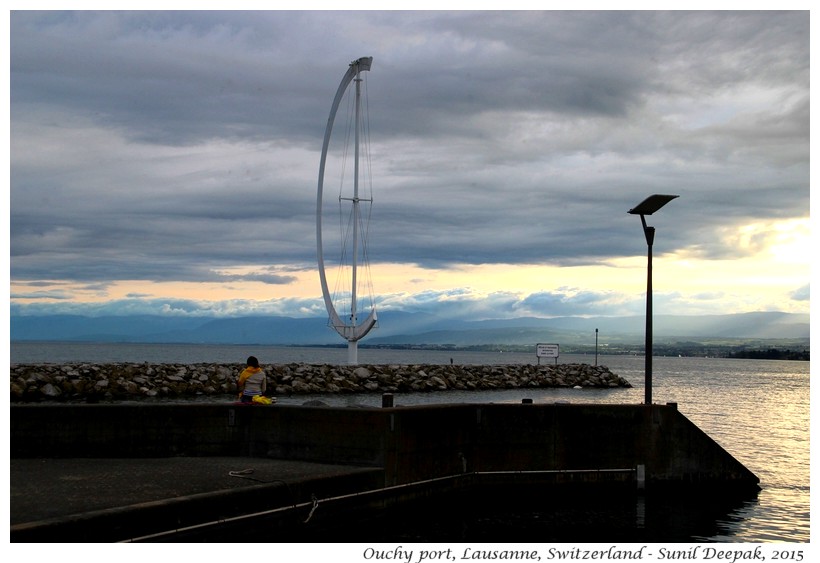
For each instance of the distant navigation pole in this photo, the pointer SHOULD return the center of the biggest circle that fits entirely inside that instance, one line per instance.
(648, 207)
(596, 347)
(357, 243)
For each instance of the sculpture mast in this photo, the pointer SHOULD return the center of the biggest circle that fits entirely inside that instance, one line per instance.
(347, 328)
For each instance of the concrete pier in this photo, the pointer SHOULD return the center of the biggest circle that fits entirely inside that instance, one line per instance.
(349, 458)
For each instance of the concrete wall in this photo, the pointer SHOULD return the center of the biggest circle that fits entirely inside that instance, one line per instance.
(126, 430)
(410, 443)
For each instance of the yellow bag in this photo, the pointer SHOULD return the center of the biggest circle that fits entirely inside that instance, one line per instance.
(261, 400)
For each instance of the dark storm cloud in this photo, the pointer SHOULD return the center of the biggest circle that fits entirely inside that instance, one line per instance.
(169, 145)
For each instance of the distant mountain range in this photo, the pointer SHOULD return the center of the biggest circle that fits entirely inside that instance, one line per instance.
(411, 329)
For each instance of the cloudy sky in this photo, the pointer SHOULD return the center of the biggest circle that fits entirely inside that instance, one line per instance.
(167, 162)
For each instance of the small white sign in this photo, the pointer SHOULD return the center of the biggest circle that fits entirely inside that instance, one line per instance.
(546, 350)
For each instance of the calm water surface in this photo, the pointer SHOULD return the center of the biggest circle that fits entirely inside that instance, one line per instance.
(758, 410)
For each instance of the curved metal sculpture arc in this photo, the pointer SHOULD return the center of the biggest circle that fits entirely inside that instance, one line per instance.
(349, 331)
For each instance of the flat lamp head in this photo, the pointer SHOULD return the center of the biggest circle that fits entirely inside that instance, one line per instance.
(651, 204)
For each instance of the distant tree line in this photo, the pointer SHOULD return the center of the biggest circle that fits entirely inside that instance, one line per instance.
(771, 354)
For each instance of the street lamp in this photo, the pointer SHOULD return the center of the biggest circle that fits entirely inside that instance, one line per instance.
(648, 207)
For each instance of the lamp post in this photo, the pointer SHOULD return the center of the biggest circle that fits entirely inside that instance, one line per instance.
(647, 207)
(596, 347)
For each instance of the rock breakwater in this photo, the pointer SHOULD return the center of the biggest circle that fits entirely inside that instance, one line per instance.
(128, 381)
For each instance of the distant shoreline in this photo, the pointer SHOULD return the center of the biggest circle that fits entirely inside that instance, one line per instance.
(784, 350)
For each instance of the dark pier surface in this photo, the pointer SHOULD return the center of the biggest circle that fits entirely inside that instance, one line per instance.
(195, 472)
(57, 488)
(118, 499)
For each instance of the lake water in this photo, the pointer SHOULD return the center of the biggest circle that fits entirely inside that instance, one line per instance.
(758, 410)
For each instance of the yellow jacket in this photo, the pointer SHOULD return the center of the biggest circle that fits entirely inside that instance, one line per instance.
(252, 381)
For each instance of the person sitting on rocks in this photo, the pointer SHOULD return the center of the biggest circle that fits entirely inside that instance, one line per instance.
(252, 382)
